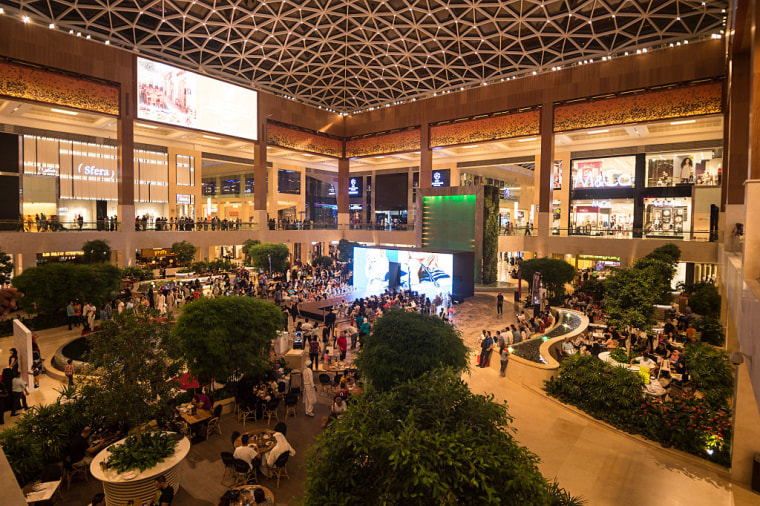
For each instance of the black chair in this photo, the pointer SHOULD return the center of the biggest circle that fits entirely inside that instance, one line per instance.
(229, 465)
(235, 435)
(291, 401)
(324, 381)
(218, 411)
(242, 472)
(281, 387)
(271, 409)
(280, 467)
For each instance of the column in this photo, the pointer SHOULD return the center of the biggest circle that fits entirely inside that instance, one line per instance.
(426, 157)
(544, 177)
(125, 138)
(342, 193)
(259, 212)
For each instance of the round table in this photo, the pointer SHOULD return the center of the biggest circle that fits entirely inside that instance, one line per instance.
(140, 488)
(250, 488)
(255, 436)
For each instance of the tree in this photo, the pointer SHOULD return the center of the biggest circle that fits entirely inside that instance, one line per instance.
(669, 253)
(710, 331)
(262, 253)
(662, 262)
(705, 300)
(6, 267)
(346, 250)
(427, 441)
(554, 273)
(219, 337)
(630, 298)
(322, 261)
(96, 251)
(130, 358)
(184, 252)
(403, 346)
(50, 287)
(246, 246)
(712, 373)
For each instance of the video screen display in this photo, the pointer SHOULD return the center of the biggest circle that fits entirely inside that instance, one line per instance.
(440, 178)
(167, 94)
(378, 269)
(288, 181)
(355, 186)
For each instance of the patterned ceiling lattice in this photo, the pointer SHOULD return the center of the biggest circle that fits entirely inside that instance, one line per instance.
(350, 55)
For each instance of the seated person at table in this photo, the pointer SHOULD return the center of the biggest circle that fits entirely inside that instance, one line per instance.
(164, 492)
(678, 366)
(662, 350)
(260, 497)
(281, 446)
(201, 400)
(343, 391)
(246, 452)
(645, 361)
(337, 409)
(81, 451)
(610, 343)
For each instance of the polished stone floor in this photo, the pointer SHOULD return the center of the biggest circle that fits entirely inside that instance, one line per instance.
(588, 458)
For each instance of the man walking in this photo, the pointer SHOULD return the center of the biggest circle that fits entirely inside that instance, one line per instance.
(309, 390)
(69, 372)
(499, 304)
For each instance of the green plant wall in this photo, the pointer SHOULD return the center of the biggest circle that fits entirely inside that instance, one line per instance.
(490, 234)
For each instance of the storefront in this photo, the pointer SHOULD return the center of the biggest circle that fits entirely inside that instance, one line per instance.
(667, 217)
(597, 263)
(50, 257)
(601, 217)
(701, 168)
(155, 257)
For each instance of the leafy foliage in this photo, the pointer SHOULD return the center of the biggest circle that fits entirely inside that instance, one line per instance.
(661, 263)
(138, 273)
(593, 287)
(226, 335)
(669, 253)
(261, 253)
(184, 252)
(41, 436)
(711, 331)
(246, 246)
(130, 356)
(555, 274)
(96, 251)
(490, 234)
(426, 441)
(630, 298)
(322, 261)
(206, 266)
(705, 300)
(141, 453)
(50, 287)
(403, 346)
(346, 250)
(712, 373)
(614, 394)
(6, 267)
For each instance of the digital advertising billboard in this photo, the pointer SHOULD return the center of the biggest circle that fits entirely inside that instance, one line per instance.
(175, 96)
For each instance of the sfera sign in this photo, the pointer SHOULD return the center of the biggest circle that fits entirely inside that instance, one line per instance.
(93, 171)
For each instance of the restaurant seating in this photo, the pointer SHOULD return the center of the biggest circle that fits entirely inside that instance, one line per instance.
(325, 382)
(229, 466)
(213, 425)
(291, 401)
(74, 471)
(271, 409)
(247, 412)
(242, 472)
(281, 467)
(235, 435)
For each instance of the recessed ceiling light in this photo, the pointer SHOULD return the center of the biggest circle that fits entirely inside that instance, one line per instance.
(527, 140)
(684, 122)
(64, 111)
(143, 125)
(591, 132)
(212, 137)
(471, 146)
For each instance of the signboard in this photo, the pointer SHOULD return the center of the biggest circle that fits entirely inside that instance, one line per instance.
(175, 96)
(536, 290)
(557, 175)
(594, 175)
(441, 178)
(184, 199)
(355, 186)
(96, 172)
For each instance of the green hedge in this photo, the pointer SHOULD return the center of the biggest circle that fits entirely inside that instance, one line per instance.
(614, 394)
(37, 322)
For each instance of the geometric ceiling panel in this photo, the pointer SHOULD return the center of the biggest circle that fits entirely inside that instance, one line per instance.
(350, 55)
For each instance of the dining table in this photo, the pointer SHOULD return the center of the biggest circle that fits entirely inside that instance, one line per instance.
(263, 438)
(199, 415)
(37, 492)
(246, 494)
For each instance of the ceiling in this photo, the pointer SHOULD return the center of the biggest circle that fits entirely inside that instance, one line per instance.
(348, 56)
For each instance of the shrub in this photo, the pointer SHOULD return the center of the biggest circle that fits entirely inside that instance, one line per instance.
(705, 300)
(712, 373)
(711, 331)
(322, 261)
(138, 273)
(96, 251)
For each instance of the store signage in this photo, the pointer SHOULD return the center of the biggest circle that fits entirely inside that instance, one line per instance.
(606, 204)
(52, 254)
(506, 193)
(664, 202)
(591, 175)
(91, 170)
(184, 199)
(44, 170)
(604, 258)
(354, 187)
(438, 180)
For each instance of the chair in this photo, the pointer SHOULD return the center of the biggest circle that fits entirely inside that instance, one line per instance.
(281, 387)
(73, 471)
(296, 381)
(291, 401)
(325, 382)
(247, 412)
(213, 425)
(242, 472)
(218, 411)
(281, 467)
(271, 409)
(229, 466)
(235, 435)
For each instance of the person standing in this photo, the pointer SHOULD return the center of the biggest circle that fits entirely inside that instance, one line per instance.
(309, 389)
(70, 314)
(69, 372)
(499, 304)
(504, 360)
(314, 350)
(485, 350)
(342, 345)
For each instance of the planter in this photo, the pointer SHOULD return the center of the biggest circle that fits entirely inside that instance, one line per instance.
(227, 405)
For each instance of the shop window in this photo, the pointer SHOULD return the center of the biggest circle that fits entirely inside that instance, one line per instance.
(689, 168)
(602, 217)
(667, 217)
(613, 172)
(185, 170)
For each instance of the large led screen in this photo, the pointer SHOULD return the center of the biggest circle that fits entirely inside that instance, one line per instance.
(167, 94)
(377, 270)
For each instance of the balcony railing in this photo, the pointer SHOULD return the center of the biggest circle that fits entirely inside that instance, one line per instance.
(636, 233)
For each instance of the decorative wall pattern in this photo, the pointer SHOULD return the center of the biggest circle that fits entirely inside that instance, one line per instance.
(291, 138)
(39, 85)
(647, 106)
(492, 128)
(406, 140)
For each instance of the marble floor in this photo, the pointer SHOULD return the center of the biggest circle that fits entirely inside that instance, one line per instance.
(588, 458)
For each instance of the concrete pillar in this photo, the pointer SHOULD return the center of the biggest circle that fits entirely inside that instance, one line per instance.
(543, 179)
(260, 175)
(342, 193)
(125, 139)
(426, 157)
